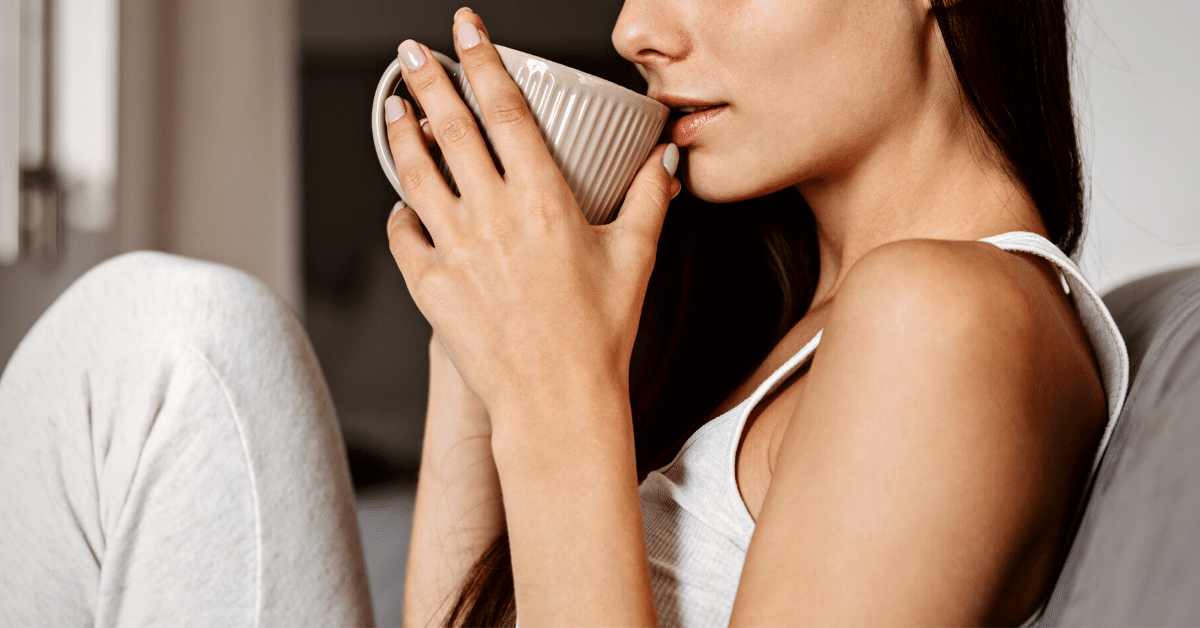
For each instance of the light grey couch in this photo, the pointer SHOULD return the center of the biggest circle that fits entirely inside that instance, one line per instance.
(1135, 560)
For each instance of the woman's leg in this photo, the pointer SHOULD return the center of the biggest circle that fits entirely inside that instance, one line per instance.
(169, 454)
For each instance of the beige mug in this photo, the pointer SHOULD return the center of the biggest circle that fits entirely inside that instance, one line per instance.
(598, 132)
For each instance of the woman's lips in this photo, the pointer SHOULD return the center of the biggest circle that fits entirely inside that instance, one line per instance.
(684, 131)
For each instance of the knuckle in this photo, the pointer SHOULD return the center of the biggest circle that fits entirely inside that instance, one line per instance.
(657, 190)
(455, 130)
(638, 242)
(424, 82)
(509, 110)
(457, 254)
(493, 227)
(407, 263)
(644, 243)
(474, 61)
(542, 205)
(414, 178)
(395, 132)
(396, 246)
(419, 282)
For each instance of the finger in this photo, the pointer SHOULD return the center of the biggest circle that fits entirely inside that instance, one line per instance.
(479, 23)
(418, 175)
(515, 135)
(427, 133)
(406, 239)
(453, 125)
(653, 187)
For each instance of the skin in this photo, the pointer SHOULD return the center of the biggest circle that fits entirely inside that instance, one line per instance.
(920, 470)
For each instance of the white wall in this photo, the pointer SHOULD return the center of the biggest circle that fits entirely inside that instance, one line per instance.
(209, 134)
(207, 151)
(1138, 95)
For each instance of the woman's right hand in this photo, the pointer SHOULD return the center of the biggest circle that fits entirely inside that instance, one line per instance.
(458, 509)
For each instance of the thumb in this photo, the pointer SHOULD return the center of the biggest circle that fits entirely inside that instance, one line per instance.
(652, 189)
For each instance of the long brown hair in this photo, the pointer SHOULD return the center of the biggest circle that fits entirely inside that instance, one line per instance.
(731, 279)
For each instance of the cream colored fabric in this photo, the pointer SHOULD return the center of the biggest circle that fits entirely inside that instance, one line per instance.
(697, 527)
(170, 456)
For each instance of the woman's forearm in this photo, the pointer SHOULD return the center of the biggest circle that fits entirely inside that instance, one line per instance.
(573, 513)
(458, 509)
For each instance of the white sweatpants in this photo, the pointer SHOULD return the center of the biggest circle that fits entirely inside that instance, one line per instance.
(169, 455)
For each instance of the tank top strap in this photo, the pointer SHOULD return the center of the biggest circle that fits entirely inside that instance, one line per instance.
(1098, 323)
(786, 369)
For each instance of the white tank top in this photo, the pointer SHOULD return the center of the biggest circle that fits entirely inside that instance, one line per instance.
(696, 524)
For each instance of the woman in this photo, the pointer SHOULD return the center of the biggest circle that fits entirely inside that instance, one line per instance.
(913, 448)
(903, 434)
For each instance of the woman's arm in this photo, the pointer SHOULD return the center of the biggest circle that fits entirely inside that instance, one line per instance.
(930, 469)
(574, 517)
(538, 311)
(458, 511)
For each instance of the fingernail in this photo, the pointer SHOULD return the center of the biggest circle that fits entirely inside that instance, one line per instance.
(671, 158)
(411, 55)
(425, 125)
(397, 207)
(468, 36)
(460, 11)
(393, 109)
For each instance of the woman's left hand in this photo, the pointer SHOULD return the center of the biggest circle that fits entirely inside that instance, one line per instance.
(532, 302)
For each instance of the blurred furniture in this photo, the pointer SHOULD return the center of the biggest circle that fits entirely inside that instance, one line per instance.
(1135, 560)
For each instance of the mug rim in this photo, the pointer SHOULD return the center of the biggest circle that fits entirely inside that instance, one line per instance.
(590, 78)
(391, 79)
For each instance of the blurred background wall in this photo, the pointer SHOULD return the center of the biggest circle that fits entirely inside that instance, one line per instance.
(1137, 93)
(207, 148)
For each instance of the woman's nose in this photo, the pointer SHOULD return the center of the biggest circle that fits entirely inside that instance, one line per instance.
(649, 32)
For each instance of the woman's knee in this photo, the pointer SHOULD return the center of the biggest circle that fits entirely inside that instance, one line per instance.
(146, 286)
(152, 298)
(140, 309)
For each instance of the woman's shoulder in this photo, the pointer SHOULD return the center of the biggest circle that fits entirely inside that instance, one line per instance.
(972, 292)
(995, 324)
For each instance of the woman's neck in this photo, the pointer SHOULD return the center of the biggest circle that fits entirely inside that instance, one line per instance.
(932, 180)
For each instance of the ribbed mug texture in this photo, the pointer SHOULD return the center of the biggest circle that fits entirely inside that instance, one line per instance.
(598, 133)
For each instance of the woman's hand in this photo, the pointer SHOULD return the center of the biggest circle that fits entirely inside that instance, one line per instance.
(531, 302)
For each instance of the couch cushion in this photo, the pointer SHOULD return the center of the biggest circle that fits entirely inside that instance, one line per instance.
(1136, 557)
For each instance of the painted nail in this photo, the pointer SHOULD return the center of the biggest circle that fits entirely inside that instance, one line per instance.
(468, 36)
(671, 158)
(397, 207)
(460, 11)
(424, 122)
(393, 109)
(411, 55)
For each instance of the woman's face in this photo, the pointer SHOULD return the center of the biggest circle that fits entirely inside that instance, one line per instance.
(803, 89)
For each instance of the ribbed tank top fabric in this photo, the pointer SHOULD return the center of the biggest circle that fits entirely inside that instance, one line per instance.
(696, 525)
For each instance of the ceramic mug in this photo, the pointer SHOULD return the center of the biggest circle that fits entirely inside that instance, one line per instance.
(598, 132)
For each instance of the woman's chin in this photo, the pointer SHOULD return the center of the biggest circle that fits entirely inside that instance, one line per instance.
(715, 188)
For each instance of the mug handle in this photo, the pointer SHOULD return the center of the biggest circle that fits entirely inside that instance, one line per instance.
(388, 83)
